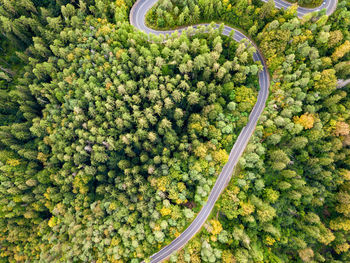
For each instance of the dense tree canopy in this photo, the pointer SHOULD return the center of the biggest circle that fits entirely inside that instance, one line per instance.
(111, 140)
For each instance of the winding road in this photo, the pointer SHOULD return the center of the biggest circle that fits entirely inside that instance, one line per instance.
(137, 19)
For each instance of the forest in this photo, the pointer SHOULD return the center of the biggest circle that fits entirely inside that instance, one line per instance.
(111, 140)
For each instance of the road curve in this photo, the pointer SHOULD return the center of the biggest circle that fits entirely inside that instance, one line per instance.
(137, 19)
(329, 5)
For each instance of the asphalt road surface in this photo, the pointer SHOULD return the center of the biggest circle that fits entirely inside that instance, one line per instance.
(329, 5)
(137, 19)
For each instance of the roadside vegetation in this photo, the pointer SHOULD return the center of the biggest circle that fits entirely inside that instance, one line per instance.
(307, 3)
(110, 143)
(288, 201)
